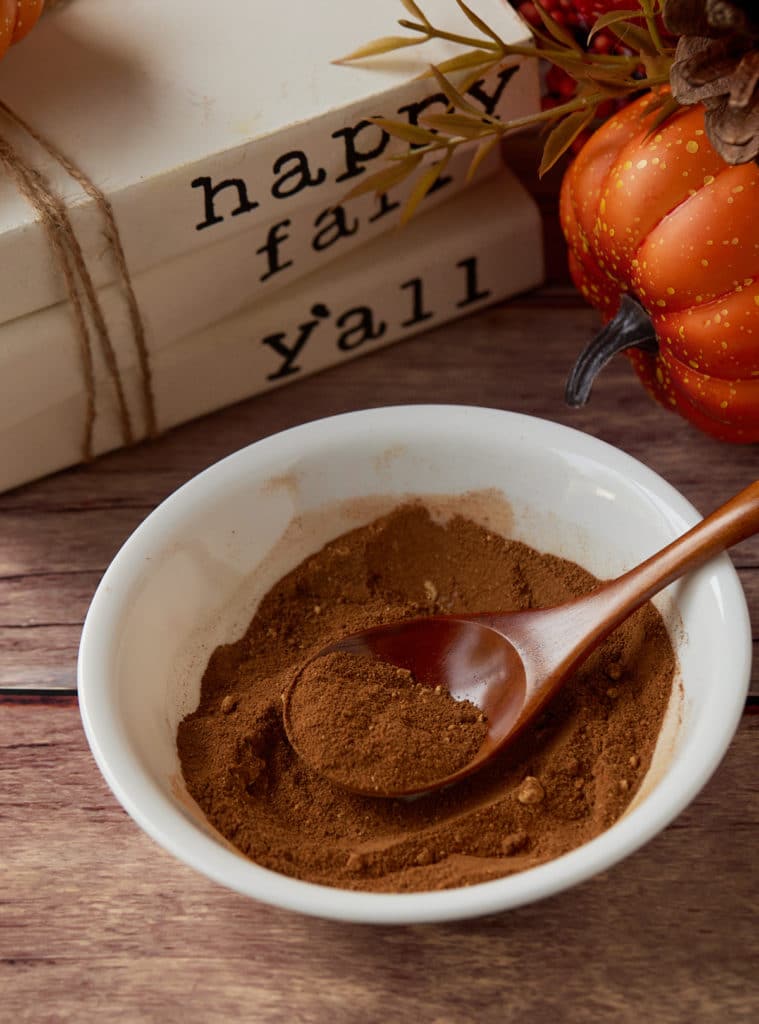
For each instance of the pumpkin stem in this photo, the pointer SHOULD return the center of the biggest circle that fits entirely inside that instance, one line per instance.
(631, 327)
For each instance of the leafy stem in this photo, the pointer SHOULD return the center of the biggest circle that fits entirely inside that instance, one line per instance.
(451, 37)
(651, 9)
(600, 77)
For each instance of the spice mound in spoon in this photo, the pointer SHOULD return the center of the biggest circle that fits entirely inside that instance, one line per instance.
(371, 727)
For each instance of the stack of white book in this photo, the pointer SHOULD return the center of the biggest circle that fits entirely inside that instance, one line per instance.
(226, 141)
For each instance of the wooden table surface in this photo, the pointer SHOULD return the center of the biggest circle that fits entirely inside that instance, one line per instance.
(97, 922)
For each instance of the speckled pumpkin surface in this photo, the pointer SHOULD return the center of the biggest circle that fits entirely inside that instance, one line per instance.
(657, 213)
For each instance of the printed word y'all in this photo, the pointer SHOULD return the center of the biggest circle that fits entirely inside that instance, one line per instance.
(357, 325)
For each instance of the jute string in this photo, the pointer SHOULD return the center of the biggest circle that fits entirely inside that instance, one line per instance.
(82, 295)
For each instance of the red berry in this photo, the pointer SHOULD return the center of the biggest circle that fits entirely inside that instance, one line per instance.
(529, 13)
(562, 11)
(570, 11)
(578, 16)
(589, 11)
(602, 43)
(559, 83)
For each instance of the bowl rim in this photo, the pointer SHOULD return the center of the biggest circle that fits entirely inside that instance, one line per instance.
(144, 802)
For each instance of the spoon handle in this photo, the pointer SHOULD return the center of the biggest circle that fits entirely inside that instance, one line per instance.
(577, 627)
(731, 523)
(588, 620)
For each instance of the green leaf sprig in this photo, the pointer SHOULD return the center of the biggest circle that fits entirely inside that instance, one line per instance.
(600, 77)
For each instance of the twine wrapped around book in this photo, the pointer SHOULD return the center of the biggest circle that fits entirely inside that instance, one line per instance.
(82, 294)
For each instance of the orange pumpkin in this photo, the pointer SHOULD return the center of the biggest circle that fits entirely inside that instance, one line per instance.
(656, 214)
(17, 18)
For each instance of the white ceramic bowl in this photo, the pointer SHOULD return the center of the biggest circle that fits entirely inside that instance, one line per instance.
(191, 575)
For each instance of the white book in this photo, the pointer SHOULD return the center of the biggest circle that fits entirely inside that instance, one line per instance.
(480, 248)
(200, 120)
(186, 294)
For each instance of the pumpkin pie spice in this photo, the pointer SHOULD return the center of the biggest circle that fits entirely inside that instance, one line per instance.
(567, 778)
(372, 727)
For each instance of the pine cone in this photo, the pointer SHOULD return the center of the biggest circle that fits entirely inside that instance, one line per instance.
(717, 63)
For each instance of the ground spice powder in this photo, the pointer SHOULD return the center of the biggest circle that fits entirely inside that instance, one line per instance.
(568, 777)
(371, 726)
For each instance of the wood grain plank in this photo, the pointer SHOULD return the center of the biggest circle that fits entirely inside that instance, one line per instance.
(41, 618)
(46, 598)
(97, 920)
(37, 657)
(81, 540)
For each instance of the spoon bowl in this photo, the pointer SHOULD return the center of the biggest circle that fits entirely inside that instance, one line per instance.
(462, 653)
(510, 664)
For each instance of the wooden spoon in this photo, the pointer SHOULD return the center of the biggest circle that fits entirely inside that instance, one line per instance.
(511, 663)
